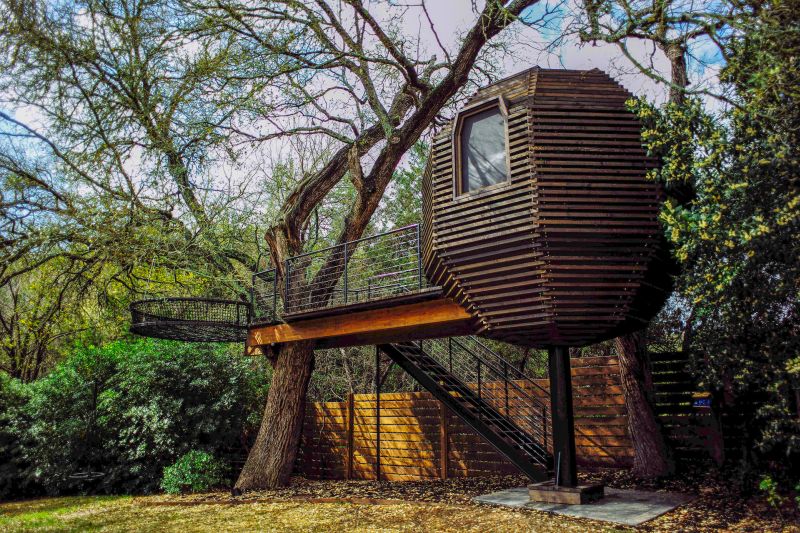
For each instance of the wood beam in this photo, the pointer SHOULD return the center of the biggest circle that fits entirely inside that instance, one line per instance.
(434, 318)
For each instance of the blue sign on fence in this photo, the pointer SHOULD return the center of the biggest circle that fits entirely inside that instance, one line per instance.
(701, 400)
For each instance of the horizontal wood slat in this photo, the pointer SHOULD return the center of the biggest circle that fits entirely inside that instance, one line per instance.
(568, 250)
(411, 431)
(411, 428)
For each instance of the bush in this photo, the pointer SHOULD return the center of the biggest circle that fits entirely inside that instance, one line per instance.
(15, 470)
(109, 419)
(194, 472)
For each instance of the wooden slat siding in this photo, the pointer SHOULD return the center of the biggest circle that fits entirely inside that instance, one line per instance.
(413, 440)
(568, 251)
(687, 428)
(324, 448)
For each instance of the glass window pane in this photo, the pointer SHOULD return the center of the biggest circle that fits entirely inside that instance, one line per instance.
(483, 150)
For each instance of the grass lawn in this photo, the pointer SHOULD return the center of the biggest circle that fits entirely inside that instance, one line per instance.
(153, 513)
(344, 506)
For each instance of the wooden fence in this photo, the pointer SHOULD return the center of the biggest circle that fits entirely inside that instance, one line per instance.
(692, 432)
(416, 438)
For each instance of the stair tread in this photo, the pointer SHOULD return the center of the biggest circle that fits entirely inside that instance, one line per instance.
(489, 421)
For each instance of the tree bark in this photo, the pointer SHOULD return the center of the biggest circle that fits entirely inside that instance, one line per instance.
(679, 75)
(273, 455)
(652, 456)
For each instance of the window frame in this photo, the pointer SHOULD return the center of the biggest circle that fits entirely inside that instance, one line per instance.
(455, 140)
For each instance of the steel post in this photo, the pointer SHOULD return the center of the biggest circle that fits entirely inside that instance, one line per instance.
(563, 417)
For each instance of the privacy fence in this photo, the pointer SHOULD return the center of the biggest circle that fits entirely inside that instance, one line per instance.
(411, 436)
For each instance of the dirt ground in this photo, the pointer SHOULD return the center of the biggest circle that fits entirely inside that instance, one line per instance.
(381, 506)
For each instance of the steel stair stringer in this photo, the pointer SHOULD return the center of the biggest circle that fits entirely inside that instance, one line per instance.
(500, 431)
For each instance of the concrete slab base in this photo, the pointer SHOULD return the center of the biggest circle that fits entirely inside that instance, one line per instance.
(626, 507)
(549, 492)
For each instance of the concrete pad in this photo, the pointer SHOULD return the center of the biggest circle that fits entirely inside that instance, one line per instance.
(626, 507)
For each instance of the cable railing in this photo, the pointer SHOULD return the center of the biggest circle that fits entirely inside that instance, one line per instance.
(265, 297)
(368, 269)
(191, 319)
(495, 381)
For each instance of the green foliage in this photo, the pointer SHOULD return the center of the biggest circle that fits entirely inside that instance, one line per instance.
(128, 409)
(14, 469)
(797, 495)
(770, 488)
(79, 238)
(736, 237)
(772, 492)
(194, 472)
(402, 204)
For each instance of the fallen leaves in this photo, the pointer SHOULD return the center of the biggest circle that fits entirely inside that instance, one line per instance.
(436, 505)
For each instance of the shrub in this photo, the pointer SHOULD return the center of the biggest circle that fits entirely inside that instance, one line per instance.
(14, 468)
(109, 419)
(194, 472)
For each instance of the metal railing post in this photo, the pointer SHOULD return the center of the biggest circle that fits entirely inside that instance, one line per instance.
(344, 284)
(419, 259)
(480, 396)
(253, 293)
(275, 294)
(505, 383)
(287, 301)
(450, 352)
(479, 379)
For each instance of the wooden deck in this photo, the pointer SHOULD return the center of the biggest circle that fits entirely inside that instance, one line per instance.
(395, 323)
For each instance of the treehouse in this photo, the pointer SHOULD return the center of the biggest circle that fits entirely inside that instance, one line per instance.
(540, 228)
(538, 216)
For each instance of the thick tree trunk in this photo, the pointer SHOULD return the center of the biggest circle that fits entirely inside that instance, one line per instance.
(272, 457)
(652, 457)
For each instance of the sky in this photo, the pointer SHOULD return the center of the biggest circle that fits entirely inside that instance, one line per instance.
(451, 19)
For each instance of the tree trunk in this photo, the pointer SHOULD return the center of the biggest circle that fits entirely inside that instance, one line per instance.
(679, 75)
(272, 457)
(652, 457)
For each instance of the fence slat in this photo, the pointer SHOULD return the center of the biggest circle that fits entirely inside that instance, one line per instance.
(421, 439)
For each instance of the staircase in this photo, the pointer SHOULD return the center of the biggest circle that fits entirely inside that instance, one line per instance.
(485, 391)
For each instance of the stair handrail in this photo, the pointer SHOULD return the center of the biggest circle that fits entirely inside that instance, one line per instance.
(532, 399)
(520, 374)
(526, 453)
(540, 456)
(508, 365)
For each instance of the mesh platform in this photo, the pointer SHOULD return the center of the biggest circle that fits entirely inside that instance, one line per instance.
(191, 319)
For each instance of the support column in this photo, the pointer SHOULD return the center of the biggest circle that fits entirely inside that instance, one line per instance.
(563, 418)
(444, 449)
(377, 413)
(350, 426)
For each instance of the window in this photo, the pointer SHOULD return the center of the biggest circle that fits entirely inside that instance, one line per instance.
(482, 149)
